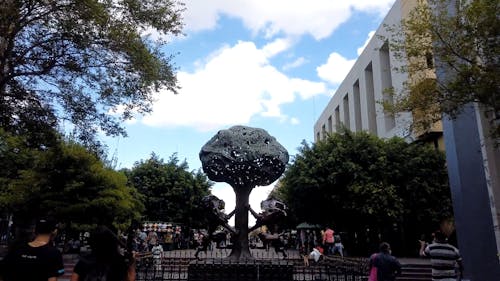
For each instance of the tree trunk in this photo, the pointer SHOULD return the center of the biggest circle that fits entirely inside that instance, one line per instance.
(7, 26)
(241, 249)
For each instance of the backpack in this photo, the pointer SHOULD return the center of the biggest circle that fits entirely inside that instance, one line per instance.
(337, 238)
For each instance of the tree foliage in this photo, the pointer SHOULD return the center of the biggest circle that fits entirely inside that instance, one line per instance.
(15, 156)
(68, 183)
(466, 40)
(83, 61)
(356, 181)
(170, 192)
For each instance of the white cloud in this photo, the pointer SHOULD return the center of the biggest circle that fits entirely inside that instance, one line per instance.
(294, 121)
(370, 35)
(296, 63)
(319, 18)
(335, 69)
(276, 47)
(232, 85)
(380, 7)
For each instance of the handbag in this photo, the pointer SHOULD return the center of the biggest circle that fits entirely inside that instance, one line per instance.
(373, 274)
(373, 269)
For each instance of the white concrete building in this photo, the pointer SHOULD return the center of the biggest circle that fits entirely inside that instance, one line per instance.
(356, 103)
(473, 159)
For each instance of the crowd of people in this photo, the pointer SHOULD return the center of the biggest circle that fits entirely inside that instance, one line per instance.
(144, 241)
(313, 244)
(113, 258)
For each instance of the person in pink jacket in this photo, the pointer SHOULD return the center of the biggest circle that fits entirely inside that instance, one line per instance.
(328, 240)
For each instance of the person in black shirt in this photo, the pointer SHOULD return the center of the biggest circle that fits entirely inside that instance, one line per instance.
(37, 260)
(105, 261)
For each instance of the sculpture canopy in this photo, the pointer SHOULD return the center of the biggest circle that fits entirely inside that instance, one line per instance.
(245, 156)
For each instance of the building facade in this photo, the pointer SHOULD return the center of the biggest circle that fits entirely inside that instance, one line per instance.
(357, 103)
(473, 159)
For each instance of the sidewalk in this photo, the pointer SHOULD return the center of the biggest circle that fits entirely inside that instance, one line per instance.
(69, 261)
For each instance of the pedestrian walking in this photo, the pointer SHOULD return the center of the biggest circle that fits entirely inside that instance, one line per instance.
(152, 239)
(105, 262)
(388, 267)
(157, 252)
(445, 258)
(37, 260)
(203, 244)
(328, 240)
(338, 247)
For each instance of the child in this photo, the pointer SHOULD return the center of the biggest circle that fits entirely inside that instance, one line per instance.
(306, 259)
(338, 246)
(157, 252)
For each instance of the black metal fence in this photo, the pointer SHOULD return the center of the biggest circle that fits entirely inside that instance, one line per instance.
(174, 265)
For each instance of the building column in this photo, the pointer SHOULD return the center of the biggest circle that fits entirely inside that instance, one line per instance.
(473, 202)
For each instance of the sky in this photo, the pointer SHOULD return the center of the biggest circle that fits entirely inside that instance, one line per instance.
(271, 64)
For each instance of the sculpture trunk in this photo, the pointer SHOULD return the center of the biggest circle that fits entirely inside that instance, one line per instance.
(241, 249)
(244, 157)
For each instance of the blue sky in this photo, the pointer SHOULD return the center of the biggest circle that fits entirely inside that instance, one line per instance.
(272, 64)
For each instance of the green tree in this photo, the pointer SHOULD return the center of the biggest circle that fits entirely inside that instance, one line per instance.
(15, 156)
(80, 60)
(72, 185)
(356, 181)
(467, 41)
(170, 192)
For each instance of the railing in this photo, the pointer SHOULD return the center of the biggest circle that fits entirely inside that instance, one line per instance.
(174, 265)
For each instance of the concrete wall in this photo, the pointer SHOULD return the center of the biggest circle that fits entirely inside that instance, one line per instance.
(356, 103)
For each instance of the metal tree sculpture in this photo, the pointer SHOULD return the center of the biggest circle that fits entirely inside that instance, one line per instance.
(244, 157)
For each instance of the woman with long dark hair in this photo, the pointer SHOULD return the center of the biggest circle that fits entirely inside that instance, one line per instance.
(105, 262)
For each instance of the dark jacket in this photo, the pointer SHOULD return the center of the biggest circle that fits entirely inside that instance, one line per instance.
(387, 267)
